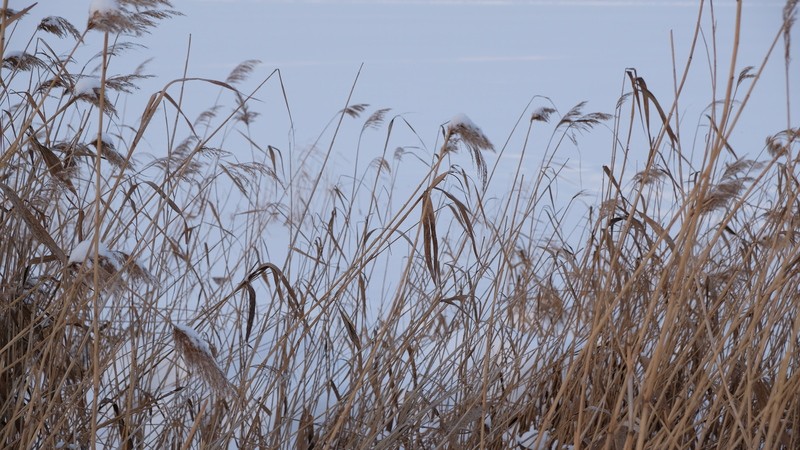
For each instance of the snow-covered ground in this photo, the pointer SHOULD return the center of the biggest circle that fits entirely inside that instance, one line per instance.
(432, 59)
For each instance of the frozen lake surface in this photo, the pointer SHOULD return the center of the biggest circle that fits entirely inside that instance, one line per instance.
(433, 59)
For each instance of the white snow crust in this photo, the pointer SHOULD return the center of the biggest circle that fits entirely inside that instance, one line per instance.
(103, 7)
(87, 86)
(461, 120)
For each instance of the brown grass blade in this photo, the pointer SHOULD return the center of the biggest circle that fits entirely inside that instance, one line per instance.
(36, 227)
(430, 242)
(53, 163)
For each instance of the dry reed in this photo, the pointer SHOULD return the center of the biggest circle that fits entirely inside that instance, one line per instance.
(385, 314)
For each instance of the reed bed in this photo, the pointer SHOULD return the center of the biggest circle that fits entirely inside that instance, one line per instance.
(160, 290)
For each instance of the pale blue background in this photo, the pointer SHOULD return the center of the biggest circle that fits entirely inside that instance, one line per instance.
(434, 59)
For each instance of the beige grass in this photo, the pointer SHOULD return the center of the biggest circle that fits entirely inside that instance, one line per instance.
(198, 300)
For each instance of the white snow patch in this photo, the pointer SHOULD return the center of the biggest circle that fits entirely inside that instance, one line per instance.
(87, 86)
(83, 253)
(103, 7)
(196, 339)
(527, 440)
(80, 252)
(108, 141)
(51, 21)
(461, 120)
(13, 54)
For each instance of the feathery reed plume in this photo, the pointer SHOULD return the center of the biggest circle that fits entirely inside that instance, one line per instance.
(22, 61)
(355, 110)
(134, 17)
(89, 89)
(109, 152)
(650, 175)
(576, 120)
(375, 120)
(734, 179)
(242, 71)
(112, 263)
(105, 15)
(461, 129)
(199, 358)
(542, 114)
(780, 144)
(58, 26)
